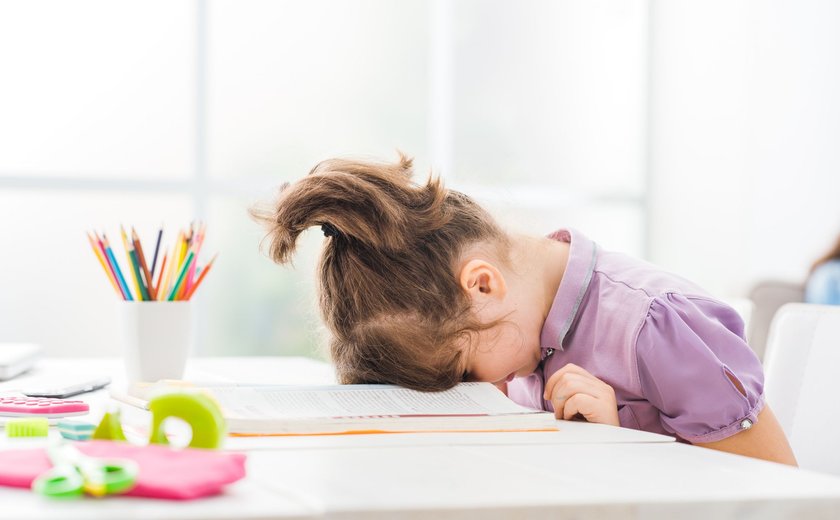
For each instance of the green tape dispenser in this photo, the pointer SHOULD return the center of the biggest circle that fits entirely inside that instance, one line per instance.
(199, 411)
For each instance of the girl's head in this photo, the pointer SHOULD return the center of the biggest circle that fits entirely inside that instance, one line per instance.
(391, 286)
(832, 254)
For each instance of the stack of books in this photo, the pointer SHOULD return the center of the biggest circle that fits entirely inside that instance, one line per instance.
(254, 410)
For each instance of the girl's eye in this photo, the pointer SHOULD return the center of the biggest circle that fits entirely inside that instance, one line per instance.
(465, 376)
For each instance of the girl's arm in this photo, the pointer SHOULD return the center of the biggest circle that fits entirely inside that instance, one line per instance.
(764, 440)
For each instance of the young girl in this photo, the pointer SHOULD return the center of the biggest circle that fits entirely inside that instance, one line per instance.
(823, 284)
(420, 287)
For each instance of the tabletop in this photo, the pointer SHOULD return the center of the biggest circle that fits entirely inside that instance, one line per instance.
(582, 471)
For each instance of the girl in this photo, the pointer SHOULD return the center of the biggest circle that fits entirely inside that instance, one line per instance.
(420, 287)
(823, 285)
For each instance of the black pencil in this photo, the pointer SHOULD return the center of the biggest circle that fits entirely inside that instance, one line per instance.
(157, 248)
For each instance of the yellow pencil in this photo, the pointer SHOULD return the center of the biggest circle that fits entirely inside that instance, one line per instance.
(104, 264)
(131, 263)
(173, 266)
(183, 248)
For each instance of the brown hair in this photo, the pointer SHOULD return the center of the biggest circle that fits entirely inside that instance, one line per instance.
(388, 289)
(833, 254)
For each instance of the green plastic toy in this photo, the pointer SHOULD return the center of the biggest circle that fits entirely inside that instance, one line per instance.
(110, 427)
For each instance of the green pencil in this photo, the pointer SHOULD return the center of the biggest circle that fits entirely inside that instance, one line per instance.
(181, 276)
(143, 291)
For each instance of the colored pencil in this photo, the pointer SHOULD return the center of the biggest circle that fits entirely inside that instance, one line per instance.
(175, 279)
(138, 248)
(157, 248)
(201, 276)
(182, 250)
(138, 276)
(174, 264)
(116, 267)
(163, 286)
(181, 276)
(134, 276)
(158, 290)
(190, 234)
(183, 287)
(104, 264)
(111, 265)
(198, 243)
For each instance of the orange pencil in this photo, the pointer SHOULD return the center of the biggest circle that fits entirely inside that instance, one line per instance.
(142, 259)
(162, 270)
(200, 277)
(104, 264)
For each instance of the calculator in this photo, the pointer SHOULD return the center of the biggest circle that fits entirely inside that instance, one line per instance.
(21, 406)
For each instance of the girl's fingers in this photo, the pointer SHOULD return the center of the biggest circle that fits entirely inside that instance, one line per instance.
(572, 390)
(584, 404)
(593, 409)
(575, 384)
(567, 374)
(560, 374)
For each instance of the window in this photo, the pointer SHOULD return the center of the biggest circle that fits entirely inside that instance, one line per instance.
(161, 112)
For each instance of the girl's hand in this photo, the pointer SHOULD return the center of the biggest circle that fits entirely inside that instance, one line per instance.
(572, 390)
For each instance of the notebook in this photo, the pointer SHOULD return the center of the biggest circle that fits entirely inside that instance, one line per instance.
(346, 409)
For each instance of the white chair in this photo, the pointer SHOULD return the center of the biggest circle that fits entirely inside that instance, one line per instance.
(744, 307)
(802, 374)
(767, 296)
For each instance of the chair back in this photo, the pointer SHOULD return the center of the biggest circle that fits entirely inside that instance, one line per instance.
(767, 296)
(802, 374)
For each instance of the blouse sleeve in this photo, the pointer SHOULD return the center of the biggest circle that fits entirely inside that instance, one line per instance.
(696, 368)
(527, 391)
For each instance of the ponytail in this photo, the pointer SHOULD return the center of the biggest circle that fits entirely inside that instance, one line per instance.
(387, 284)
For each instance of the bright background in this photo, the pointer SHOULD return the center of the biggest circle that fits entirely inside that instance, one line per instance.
(702, 136)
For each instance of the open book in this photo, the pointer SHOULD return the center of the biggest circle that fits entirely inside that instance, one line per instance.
(340, 409)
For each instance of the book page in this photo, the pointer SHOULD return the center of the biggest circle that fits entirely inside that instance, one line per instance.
(362, 400)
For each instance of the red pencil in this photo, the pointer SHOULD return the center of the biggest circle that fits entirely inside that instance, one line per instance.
(162, 270)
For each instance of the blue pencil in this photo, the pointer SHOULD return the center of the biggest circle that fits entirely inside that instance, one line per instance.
(116, 268)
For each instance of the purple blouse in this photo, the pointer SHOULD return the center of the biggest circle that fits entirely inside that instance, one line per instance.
(672, 353)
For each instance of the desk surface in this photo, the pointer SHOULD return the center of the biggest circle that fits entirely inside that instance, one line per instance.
(583, 471)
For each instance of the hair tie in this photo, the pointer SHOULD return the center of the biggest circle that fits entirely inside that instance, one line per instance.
(329, 230)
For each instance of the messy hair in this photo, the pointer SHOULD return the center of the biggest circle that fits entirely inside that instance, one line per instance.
(388, 288)
(832, 254)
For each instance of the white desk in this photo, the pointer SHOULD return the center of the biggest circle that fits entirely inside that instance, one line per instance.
(584, 471)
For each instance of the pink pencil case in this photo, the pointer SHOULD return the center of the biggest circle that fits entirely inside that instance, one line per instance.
(164, 472)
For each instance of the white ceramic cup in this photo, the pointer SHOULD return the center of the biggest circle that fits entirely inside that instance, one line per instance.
(157, 339)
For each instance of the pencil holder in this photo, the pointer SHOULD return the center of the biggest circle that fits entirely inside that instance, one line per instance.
(157, 339)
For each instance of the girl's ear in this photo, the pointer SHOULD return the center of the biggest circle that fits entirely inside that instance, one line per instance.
(481, 280)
